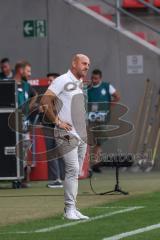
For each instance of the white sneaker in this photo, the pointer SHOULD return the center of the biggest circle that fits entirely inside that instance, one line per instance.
(80, 215)
(71, 214)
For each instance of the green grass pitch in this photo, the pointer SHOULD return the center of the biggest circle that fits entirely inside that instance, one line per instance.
(111, 216)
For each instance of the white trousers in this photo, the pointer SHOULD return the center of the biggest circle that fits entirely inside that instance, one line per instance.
(73, 166)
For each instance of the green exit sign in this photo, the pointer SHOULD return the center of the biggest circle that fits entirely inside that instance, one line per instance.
(35, 28)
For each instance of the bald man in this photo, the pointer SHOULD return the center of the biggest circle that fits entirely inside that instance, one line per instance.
(63, 104)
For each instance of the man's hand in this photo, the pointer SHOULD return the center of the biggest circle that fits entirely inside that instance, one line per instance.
(64, 125)
(48, 107)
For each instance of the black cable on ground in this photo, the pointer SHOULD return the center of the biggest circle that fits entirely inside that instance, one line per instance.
(91, 185)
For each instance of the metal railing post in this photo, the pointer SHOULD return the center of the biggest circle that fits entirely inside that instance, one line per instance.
(118, 20)
(121, 10)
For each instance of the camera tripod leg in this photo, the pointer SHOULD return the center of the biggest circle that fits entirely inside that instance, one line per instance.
(117, 188)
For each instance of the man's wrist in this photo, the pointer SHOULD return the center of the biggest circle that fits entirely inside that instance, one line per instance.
(57, 122)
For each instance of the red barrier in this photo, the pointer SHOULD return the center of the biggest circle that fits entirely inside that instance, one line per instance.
(40, 171)
(85, 168)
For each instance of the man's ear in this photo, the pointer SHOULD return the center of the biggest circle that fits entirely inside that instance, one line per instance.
(74, 64)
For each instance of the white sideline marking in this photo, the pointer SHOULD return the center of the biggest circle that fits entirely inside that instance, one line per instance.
(89, 220)
(117, 207)
(53, 228)
(134, 232)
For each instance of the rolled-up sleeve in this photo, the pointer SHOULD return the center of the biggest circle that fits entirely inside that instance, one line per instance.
(57, 86)
(112, 89)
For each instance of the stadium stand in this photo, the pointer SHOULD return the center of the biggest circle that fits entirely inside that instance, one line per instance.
(156, 3)
(133, 4)
(108, 16)
(135, 7)
(95, 8)
(141, 35)
(153, 42)
(99, 10)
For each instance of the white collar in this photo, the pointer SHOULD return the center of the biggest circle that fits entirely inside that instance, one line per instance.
(10, 75)
(73, 77)
(96, 86)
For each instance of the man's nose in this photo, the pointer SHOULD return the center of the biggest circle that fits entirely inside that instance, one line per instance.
(87, 68)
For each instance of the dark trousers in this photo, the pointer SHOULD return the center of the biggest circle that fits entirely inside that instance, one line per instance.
(56, 167)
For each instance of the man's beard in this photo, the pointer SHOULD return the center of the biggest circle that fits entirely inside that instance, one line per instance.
(24, 78)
